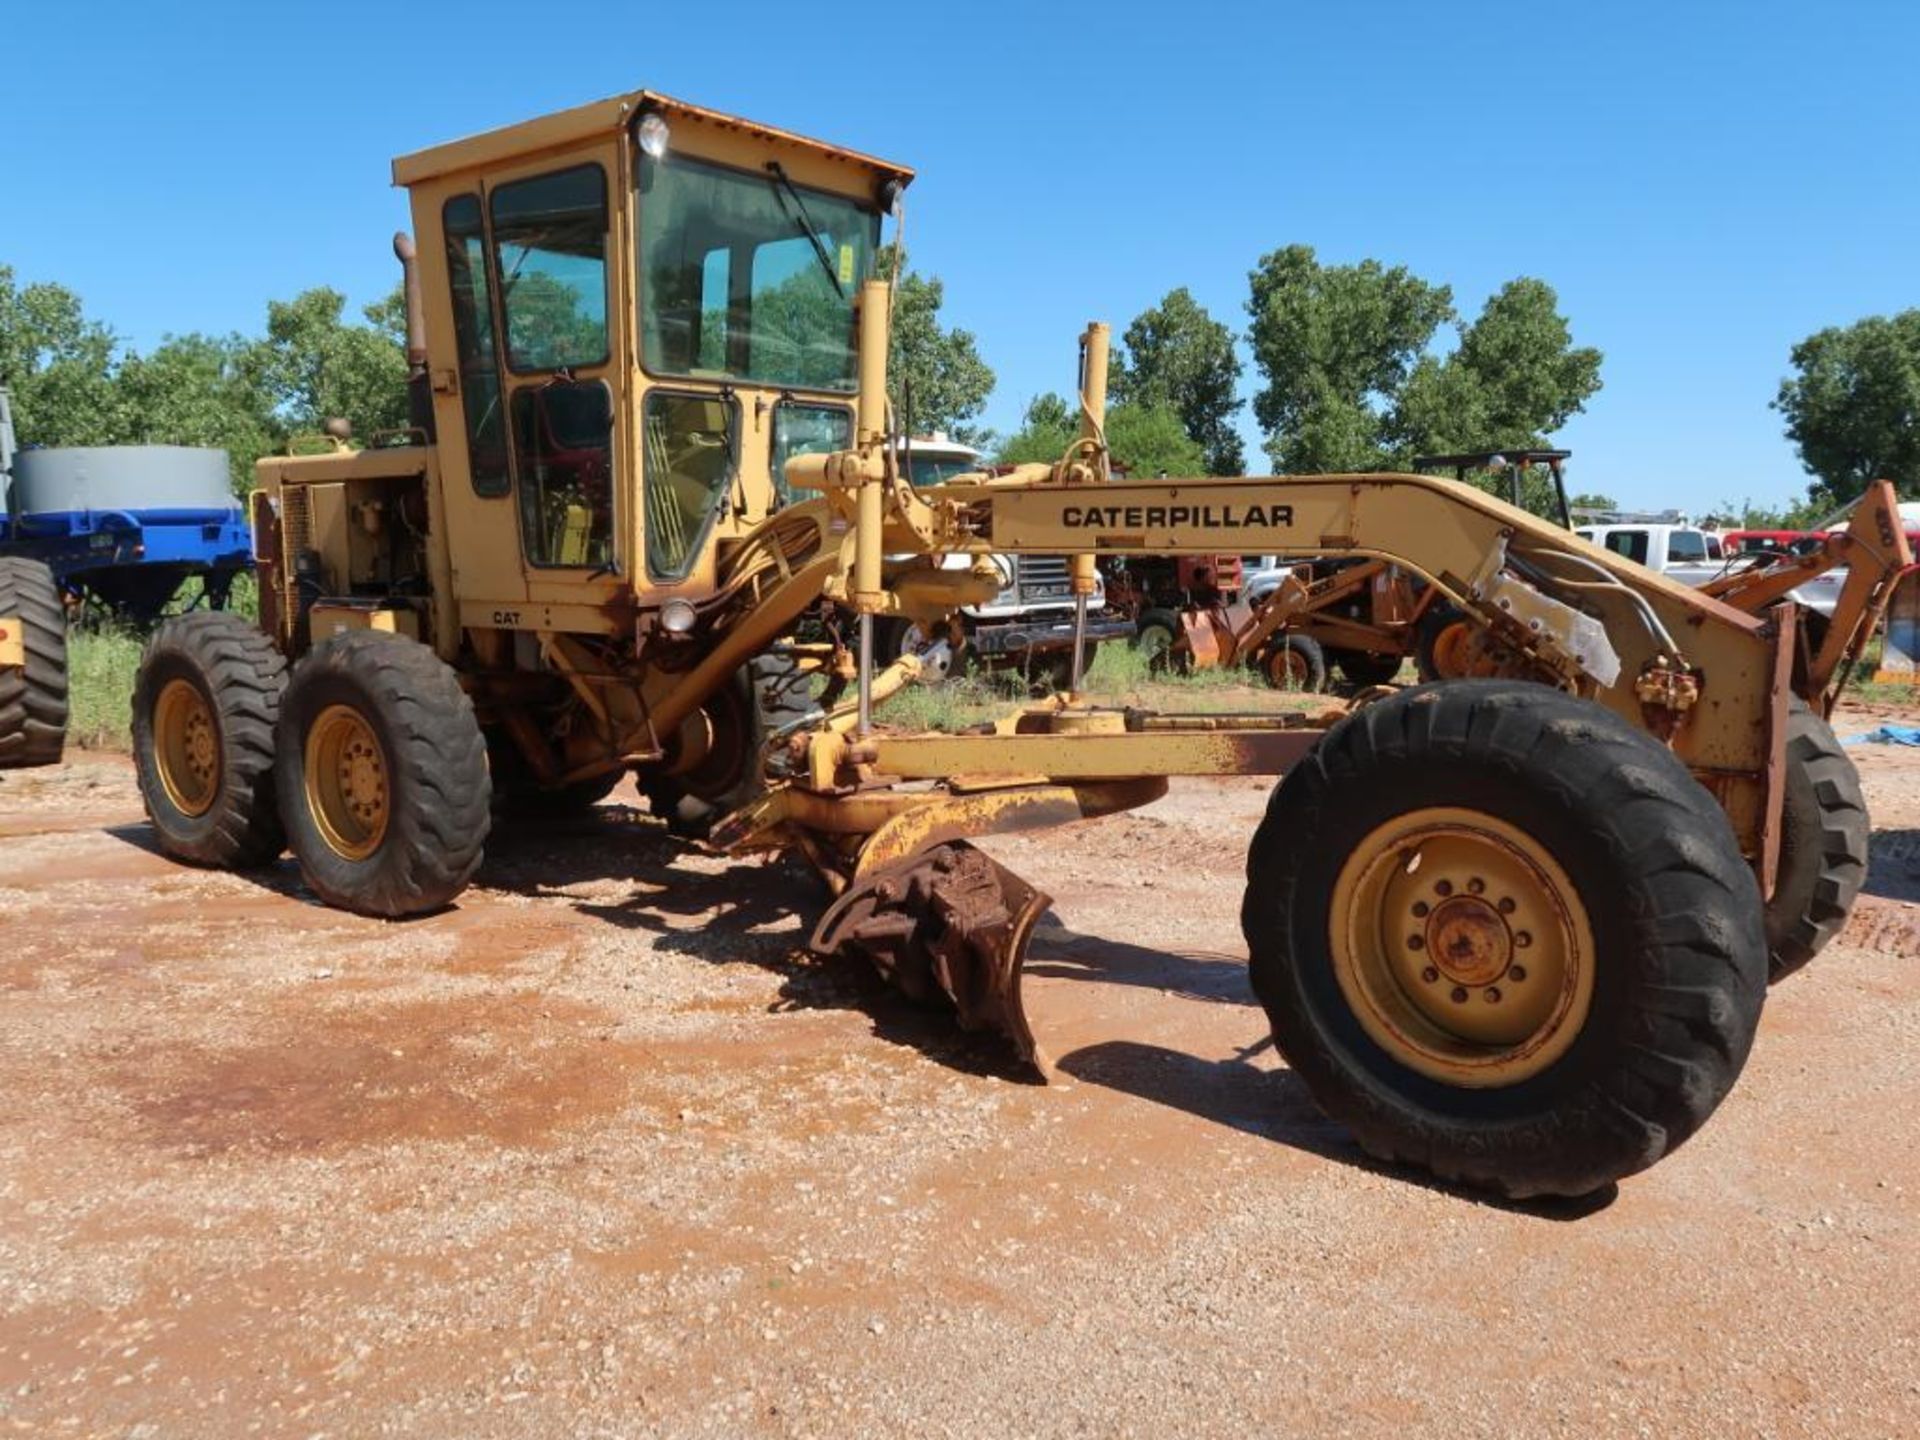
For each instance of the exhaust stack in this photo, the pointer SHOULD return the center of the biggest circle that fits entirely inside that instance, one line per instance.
(419, 391)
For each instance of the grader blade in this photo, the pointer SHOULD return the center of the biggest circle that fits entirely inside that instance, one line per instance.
(945, 925)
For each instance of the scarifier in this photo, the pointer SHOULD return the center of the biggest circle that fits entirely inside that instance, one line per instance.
(1510, 929)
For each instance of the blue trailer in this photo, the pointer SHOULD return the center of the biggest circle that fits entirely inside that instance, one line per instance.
(125, 526)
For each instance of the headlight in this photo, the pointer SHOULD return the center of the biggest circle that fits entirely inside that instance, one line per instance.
(676, 616)
(652, 133)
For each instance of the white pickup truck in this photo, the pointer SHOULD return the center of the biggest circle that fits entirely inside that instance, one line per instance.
(1694, 556)
(1689, 555)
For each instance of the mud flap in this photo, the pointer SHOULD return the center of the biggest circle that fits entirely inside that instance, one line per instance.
(946, 923)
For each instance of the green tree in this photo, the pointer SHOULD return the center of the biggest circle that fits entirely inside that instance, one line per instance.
(1334, 344)
(315, 365)
(58, 364)
(1592, 500)
(1178, 356)
(1352, 383)
(938, 369)
(1853, 407)
(1046, 430)
(1515, 378)
(1151, 439)
(1144, 440)
(200, 390)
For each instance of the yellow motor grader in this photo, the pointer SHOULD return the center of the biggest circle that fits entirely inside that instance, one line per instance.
(1511, 929)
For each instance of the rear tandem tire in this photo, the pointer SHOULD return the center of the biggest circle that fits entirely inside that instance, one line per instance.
(1824, 835)
(205, 702)
(33, 697)
(381, 773)
(1642, 905)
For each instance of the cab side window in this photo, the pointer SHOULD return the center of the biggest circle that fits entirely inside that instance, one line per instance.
(1630, 543)
(800, 429)
(563, 435)
(549, 235)
(690, 472)
(473, 338)
(550, 247)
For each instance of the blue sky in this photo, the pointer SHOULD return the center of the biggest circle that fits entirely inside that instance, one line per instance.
(1703, 184)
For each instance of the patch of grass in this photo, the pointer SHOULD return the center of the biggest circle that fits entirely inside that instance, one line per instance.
(102, 656)
(1118, 675)
(100, 667)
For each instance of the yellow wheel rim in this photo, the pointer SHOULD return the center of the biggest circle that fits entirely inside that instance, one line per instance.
(347, 782)
(1450, 650)
(186, 748)
(1462, 947)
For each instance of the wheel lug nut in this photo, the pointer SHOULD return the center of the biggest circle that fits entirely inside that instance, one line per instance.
(1516, 972)
(1506, 905)
(1459, 995)
(1522, 939)
(1443, 887)
(1416, 942)
(1420, 908)
(1429, 974)
(1493, 994)
(1476, 886)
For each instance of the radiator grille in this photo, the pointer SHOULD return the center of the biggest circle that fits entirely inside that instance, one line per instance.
(296, 530)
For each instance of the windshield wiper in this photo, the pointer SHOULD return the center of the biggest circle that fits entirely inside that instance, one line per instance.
(777, 177)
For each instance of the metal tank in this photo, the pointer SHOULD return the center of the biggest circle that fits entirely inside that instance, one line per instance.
(119, 477)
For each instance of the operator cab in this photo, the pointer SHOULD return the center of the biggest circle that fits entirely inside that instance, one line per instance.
(635, 313)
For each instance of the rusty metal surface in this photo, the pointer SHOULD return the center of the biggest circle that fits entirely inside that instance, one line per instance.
(945, 926)
(1095, 757)
(946, 817)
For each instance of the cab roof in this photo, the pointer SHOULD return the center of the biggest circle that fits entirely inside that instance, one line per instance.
(583, 122)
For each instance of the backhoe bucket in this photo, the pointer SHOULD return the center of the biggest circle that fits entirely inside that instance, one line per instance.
(949, 925)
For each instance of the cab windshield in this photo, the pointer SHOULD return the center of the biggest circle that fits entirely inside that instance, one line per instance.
(746, 276)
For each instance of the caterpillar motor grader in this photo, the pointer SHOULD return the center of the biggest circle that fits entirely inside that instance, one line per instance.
(1511, 929)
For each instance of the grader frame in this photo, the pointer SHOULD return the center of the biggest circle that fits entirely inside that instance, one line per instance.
(421, 616)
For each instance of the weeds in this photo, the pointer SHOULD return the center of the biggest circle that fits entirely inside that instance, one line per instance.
(101, 661)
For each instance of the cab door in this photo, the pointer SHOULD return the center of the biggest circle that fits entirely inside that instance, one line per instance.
(551, 230)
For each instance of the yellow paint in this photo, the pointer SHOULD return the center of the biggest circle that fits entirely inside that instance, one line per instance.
(347, 782)
(186, 748)
(1462, 947)
(328, 620)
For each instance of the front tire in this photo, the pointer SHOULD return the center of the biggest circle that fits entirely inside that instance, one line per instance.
(1502, 935)
(33, 697)
(382, 776)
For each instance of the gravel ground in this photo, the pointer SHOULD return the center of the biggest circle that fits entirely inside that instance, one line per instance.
(600, 1153)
